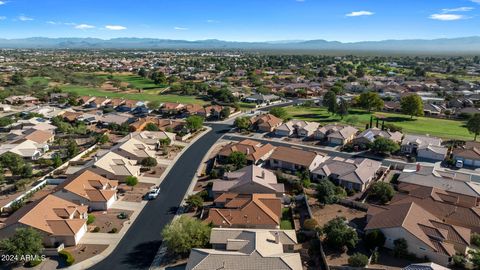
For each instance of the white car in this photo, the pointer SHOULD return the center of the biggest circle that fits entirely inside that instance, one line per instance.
(459, 164)
(153, 193)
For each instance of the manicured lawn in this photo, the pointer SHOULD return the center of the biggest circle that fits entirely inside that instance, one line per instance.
(145, 96)
(137, 81)
(31, 80)
(447, 129)
(286, 221)
(468, 78)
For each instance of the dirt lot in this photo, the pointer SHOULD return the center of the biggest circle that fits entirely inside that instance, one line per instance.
(155, 172)
(82, 252)
(42, 193)
(108, 220)
(332, 211)
(133, 194)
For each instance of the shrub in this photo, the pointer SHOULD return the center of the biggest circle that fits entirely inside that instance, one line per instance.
(374, 239)
(34, 262)
(475, 239)
(149, 162)
(358, 260)
(113, 230)
(382, 191)
(96, 229)
(67, 256)
(131, 181)
(375, 257)
(400, 249)
(459, 260)
(310, 224)
(90, 219)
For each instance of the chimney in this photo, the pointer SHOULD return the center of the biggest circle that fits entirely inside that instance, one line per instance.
(248, 151)
(277, 237)
(263, 174)
(418, 167)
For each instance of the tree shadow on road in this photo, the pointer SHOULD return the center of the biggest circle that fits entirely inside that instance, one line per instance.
(142, 256)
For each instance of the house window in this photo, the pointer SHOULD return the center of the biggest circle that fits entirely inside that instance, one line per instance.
(422, 248)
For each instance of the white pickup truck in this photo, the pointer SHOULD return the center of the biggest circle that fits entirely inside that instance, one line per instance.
(153, 193)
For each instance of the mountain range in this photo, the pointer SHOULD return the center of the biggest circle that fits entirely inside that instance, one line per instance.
(464, 45)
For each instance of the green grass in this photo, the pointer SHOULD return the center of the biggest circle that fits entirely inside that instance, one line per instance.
(467, 78)
(31, 80)
(135, 80)
(286, 221)
(145, 96)
(447, 129)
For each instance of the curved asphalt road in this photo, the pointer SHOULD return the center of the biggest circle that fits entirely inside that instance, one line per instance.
(140, 244)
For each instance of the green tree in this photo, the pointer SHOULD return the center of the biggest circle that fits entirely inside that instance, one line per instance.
(149, 162)
(374, 238)
(25, 241)
(370, 100)
(13, 162)
(72, 148)
(339, 235)
(400, 248)
(238, 159)
(279, 112)
(103, 139)
(194, 201)
(154, 104)
(382, 191)
(194, 122)
(224, 113)
(131, 181)
(358, 260)
(151, 127)
(473, 125)
(475, 239)
(242, 123)
(412, 105)
(327, 192)
(343, 107)
(330, 101)
(184, 234)
(18, 79)
(384, 146)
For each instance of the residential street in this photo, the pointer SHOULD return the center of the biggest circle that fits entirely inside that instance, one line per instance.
(141, 242)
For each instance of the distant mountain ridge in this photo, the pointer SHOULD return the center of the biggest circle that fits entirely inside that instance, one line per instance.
(444, 45)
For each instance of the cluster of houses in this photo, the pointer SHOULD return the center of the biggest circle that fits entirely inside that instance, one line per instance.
(91, 185)
(423, 146)
(434, 211)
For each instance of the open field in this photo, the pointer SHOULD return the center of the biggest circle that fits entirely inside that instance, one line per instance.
(447, 129)
(145, 96)
(135, 80)
(468, 78)
(31, 80)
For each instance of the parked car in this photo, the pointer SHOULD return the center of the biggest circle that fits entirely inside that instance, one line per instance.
(459, 164)
(153, 193)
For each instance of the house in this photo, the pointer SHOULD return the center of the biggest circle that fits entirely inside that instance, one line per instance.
(150, 138)
(248, 180)
(424, 147)
(134, 149)
(261, 211)
(265, 122)
(58, 221)
(307, 130)
(15, 100)
(195, 109)
(172, 108)
(425, 266)
(39, 136)
(294, 159)
(25, 148)
(469, 154)
(113, 166)
(255, 152)
(288, 128)
(353, 174)
(261, 99)
(115, 118)
(368, 136)
(335, 134)
(426, 235)
(71, 116)
(98, 102)
(433, 109)
(89, 188)
(456, 182)
(162, 124)
(247, 249)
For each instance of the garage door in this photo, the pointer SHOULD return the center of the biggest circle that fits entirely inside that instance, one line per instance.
(468, 162)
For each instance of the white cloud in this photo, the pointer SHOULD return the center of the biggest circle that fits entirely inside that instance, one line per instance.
(2, 18)
(180, 28)
(300, 1)
(52, 22)
(115, 27)
(84, 26)
(447, 17)
(212, 21)
(359, 13)
(459, 9)
(24, 18)
(2, 3)
(476, 1)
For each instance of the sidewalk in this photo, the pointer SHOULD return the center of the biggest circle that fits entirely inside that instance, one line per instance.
(114, 239)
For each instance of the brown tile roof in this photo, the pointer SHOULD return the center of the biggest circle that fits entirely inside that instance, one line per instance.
(71, 116)
(91, 186)
(266, 120)
(439, 236)
(294, 155)
(252, 149)
(51, 215)
(40, 136)
(471, 150)
(247, 210)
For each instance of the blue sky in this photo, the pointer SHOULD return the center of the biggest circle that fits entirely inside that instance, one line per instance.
(241, 20)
